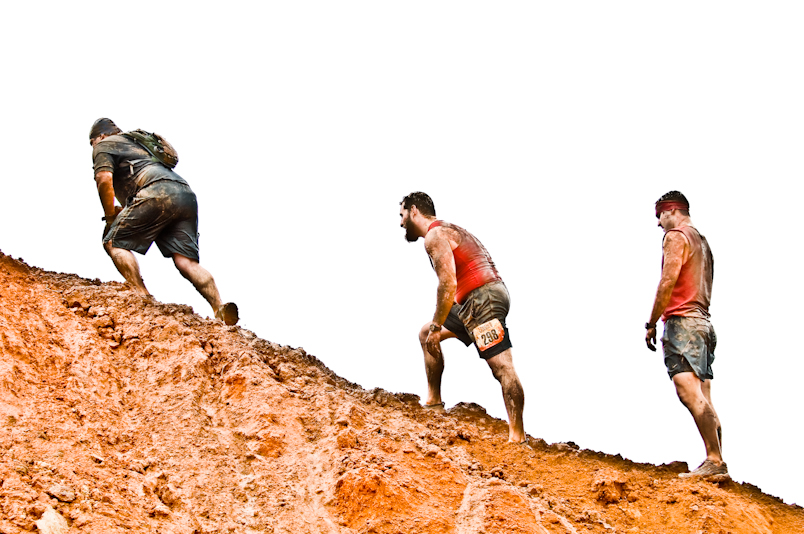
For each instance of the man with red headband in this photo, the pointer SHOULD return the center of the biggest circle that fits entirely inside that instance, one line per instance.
(682, 301)
(156, 204)
(471, 305)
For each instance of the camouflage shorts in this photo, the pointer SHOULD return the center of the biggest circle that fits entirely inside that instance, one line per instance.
(689, 346)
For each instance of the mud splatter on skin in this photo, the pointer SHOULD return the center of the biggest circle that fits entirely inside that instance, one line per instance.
(122, 414)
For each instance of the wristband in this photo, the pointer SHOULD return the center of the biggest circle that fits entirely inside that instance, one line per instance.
(109, 218)
(435, 327)
(648, 326)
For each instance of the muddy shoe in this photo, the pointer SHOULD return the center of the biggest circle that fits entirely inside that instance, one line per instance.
(438, 407)
(228, 314)
(708, 470)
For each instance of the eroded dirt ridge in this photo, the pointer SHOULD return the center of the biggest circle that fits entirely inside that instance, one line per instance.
(122, 414)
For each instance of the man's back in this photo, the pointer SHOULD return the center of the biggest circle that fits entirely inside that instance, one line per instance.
(131, 165)
(693, 290)
(473, 264)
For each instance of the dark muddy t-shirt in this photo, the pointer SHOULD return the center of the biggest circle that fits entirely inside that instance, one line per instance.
(131, 166)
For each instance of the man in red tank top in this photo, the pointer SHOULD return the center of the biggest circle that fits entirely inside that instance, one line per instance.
(471, 305)
(682, 301)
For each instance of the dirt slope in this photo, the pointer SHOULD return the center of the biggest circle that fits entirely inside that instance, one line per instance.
(121, 414)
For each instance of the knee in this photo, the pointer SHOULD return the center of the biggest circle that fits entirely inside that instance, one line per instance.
(683, 396)
(689, 397)
(502, 365)
(499, 370)
(423, 333)
(498, 374)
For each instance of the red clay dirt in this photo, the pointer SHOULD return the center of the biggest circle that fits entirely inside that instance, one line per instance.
(122, 414)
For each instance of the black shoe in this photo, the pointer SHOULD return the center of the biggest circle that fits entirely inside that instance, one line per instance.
(228, 314)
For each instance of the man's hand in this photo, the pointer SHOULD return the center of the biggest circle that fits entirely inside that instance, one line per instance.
(109, 220)
(650, 338)
(433, 343)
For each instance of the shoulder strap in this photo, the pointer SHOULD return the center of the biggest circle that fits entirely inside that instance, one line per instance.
(157, 146)
(138, 138)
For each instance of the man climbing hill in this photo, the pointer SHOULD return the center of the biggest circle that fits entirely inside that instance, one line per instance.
(472, 304)
(156, 204)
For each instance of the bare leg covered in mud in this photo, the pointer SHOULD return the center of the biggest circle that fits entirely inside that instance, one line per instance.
(707, 391)
(200, 278)
(502, 366)
(696, 396)
(127, 265)
(204, 283)
(433, 366)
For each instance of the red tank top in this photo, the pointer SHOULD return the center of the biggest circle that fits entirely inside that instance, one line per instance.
(473, 264)
(693, 290)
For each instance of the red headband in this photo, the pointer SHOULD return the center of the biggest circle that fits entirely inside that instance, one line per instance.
(667, 205)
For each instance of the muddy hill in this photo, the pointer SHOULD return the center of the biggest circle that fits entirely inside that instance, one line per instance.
(122, 414)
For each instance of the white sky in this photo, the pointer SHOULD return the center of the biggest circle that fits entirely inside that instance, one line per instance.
(548, 129)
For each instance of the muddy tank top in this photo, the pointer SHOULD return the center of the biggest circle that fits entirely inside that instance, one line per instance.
(473, 264)
(693, 290)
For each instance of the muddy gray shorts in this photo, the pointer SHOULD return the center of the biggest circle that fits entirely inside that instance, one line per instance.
(165, 212)
(689, 346)
(481, 319)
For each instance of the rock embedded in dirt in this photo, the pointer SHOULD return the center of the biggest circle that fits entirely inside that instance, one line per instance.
(348, 439)
(535, 490)
(609, 485)
(566, 447)
(159, 510)
(61, 492)
(37, 509)
(497, 472)
(52, 522)
(139, 465)
(168, 494)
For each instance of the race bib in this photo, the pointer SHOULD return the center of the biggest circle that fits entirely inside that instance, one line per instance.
(488, 334)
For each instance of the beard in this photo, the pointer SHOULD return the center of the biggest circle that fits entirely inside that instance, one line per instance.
(410, 237)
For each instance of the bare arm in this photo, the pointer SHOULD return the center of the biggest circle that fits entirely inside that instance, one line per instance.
(103, 179)
(439, 249)
(675, 249)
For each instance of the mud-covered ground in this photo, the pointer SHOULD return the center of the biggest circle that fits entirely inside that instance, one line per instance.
(122, 414)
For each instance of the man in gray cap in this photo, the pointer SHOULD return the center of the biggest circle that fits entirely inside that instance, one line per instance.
(156, 204)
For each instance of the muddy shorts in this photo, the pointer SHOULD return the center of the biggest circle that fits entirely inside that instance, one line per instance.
(481, 319)
(166, 212)
(689, 346)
